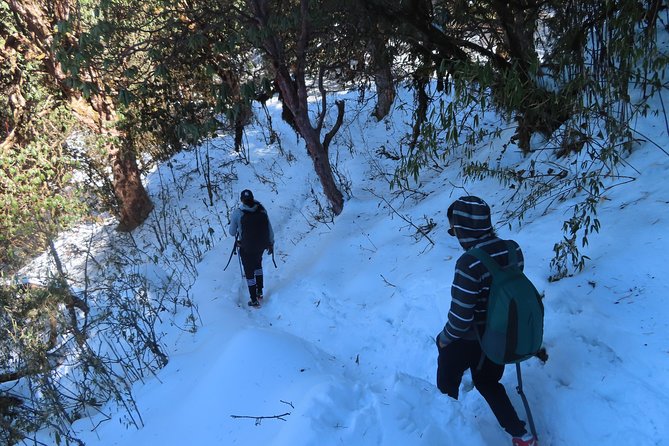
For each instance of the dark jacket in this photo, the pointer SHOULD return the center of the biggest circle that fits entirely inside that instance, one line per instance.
(470, 217)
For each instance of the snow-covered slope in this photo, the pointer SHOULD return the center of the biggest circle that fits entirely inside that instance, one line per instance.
(342, 352)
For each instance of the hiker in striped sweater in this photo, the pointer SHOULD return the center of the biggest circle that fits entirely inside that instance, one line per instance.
(458, 345)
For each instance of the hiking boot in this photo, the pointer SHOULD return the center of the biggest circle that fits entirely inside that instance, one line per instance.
(254, 303)
(259, 296)
(526, 440)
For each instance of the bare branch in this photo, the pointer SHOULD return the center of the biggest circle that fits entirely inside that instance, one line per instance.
(419, 229)
(335, 129)
(321, 88)
(262, 417)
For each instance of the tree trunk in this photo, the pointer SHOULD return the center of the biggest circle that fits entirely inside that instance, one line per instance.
(420, 115)
(383, 78)
(323, 169)
(242, 117)
(518, 20)
(134, 202)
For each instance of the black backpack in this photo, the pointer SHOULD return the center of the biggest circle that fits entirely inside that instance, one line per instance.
(255, 230)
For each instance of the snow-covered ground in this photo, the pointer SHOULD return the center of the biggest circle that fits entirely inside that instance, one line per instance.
(342, 352)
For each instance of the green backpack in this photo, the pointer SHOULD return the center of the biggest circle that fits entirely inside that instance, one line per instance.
(515, 322)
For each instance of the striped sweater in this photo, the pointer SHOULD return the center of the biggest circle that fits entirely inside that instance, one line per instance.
(470, 219)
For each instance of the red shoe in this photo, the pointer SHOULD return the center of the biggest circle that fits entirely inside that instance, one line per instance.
(526, 440)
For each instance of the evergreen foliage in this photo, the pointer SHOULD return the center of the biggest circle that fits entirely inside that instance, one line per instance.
(38, 196)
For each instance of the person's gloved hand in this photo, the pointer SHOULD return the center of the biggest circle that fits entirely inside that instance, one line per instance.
(270, 249)
(437, 341)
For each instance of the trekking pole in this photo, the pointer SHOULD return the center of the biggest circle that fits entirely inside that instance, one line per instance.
(273, 261)
(241, 268)
(233, 252)
(525, 403)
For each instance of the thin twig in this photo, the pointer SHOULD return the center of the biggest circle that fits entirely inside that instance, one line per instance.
(650, 141)
(388, 283)
(418, 229)
(260, 418)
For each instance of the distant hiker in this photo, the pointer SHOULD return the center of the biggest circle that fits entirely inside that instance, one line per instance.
(253, 231)
(458, 344)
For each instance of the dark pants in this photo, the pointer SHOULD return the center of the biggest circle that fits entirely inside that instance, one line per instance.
(252, 264)
(460, 355)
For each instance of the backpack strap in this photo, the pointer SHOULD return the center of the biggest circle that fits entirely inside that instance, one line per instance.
(485, 258)
(489, 262)
(511, 248)
(493, 267)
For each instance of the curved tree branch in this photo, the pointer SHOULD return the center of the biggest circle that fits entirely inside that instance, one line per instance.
(335, 129)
